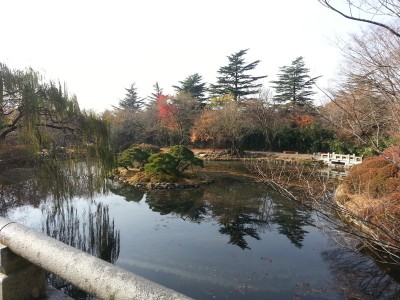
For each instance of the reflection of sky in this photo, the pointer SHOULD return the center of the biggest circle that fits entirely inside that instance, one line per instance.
(194, 258)
(170, 249)
(26, 215)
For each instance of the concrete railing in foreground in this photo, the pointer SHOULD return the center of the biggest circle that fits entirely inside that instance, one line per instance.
(91, 274)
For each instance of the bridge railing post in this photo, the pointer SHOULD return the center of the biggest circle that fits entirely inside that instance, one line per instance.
(20, 279)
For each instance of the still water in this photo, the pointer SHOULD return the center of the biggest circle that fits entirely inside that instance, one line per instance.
(233, 239)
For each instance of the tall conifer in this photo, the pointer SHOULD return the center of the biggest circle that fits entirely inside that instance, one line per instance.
(131, 100)
(294, 84)
(234, 78)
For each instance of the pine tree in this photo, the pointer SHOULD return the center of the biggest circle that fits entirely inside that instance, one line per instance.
(234, 78)
(294, 84)
(194, 86)
(131, 100)
(157, 92)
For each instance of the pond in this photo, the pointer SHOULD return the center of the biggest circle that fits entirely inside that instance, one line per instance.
(233, 239)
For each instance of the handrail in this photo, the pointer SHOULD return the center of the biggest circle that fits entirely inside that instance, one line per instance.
(348, 159)
(91, 274)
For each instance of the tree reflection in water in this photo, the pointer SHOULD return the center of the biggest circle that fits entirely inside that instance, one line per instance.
(354, 271)
(95, 234)
(129, 193)
(56, 181)
(187, 204)
(240, 226)
(241, 207)
(291, 219)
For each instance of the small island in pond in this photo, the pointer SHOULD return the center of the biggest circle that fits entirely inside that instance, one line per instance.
(146, 166)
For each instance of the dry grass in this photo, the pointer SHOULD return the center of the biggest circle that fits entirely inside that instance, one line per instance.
(372, 193)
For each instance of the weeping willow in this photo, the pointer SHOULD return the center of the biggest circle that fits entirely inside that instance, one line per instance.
(44, 118)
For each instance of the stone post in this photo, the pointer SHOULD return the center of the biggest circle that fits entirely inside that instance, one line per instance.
(20, 279)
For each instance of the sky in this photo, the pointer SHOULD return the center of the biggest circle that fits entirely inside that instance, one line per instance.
(99, 48)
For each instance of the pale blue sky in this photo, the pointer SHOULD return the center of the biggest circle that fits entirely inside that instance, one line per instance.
(100, 47)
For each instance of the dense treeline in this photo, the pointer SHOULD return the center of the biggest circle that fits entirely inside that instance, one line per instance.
(238, 112)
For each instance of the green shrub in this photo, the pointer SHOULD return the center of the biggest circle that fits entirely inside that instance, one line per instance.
(185, 158)
(147, 148)
(132, 155)
(167, 166)
(162, 163)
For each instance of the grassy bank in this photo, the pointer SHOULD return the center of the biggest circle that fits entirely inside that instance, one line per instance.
(371, 195)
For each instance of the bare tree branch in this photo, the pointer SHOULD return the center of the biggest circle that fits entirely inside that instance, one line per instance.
(364, 6)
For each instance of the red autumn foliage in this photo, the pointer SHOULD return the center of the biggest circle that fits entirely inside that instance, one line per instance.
(166, 111)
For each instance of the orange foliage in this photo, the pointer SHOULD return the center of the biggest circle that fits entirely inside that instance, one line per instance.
(393, 153)
(202, 129)
(302, 120)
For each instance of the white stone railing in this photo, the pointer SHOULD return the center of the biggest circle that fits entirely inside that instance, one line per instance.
(26, 254)
(334, 158)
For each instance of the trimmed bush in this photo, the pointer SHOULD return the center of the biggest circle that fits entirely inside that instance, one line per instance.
(185, 158)
(147, 148)
(167, 166)
(163, 163)
(132, 155)
(375, 177)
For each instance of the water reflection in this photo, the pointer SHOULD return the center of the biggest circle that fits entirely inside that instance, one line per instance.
(53, 187)
(129, 193)
(357, 275)
(290, 220)
(93, 233)
(241, 208)
(187, 204)
(58, 181)
(246, 214)
(240, 226)
(65, 180)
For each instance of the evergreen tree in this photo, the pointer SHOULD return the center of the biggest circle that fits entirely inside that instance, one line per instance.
(157, 92)
(193, 85)
(235, 79)
(294, 84)
(131, 100)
